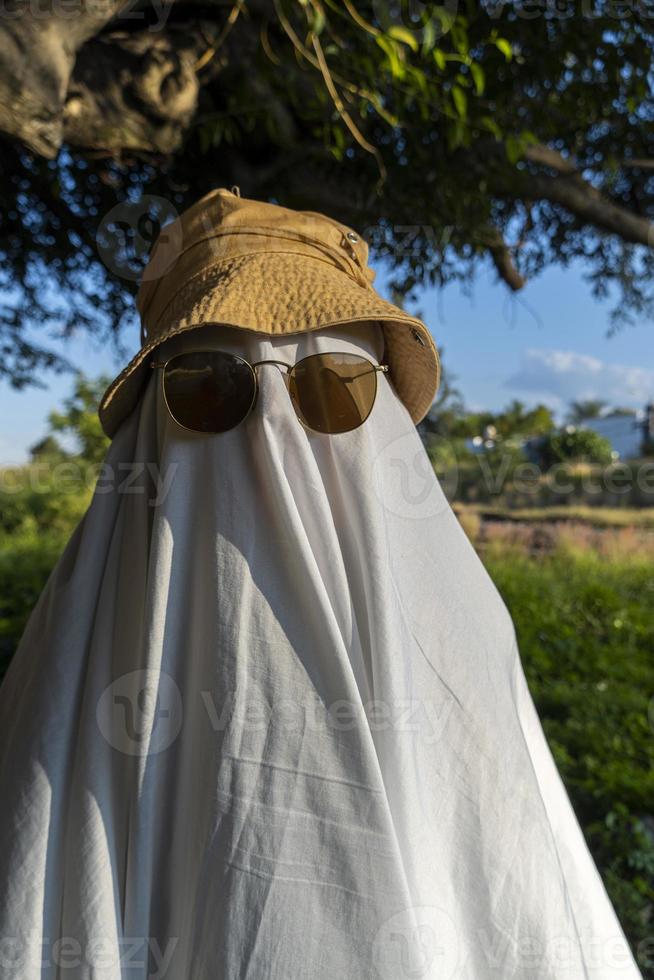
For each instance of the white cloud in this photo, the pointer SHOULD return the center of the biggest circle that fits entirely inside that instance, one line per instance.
(557, 377)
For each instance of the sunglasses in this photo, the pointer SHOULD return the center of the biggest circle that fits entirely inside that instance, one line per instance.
(214, 391)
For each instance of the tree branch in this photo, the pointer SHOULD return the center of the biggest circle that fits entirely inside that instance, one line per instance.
(135, 91)
(500, 253)
(548, 157)
(61, 80)
(580, 198)
(37, 55)
(591, 206)
(642, 163)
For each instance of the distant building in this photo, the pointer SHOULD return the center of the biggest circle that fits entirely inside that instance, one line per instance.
(626, 433)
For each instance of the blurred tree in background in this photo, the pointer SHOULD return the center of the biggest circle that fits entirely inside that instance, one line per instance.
(581, 444)
(80, 420)
(591, 408)
(41, 502)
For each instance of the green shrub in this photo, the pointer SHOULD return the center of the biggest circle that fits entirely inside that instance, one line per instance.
(26, 559)
(40, 504)
(586, 633)
(582, 444)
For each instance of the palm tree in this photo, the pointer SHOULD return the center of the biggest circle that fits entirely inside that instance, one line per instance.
(590, 408)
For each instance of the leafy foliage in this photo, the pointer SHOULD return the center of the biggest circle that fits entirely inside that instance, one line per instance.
(80, 419)
(586, 632)
(415, 123)
(590, 408)
(41, 503)
(515, 420)
(584, 444)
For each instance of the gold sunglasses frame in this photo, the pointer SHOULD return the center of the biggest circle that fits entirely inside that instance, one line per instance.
(384, 368)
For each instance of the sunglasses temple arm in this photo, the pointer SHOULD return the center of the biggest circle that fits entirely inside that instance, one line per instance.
(375, 367)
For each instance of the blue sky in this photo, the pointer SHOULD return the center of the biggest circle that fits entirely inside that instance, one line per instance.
(549, 344)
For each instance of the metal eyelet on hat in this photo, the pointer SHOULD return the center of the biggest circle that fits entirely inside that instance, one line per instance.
(349, 240)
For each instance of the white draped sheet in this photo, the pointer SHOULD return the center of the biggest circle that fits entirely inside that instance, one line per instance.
(268, 721)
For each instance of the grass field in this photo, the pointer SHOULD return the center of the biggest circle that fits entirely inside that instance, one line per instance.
(642, 517)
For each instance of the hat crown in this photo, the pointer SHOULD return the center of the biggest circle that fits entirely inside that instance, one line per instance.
(223, 225)
(272, 270)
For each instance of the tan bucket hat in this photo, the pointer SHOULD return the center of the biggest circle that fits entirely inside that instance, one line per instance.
(272, 270)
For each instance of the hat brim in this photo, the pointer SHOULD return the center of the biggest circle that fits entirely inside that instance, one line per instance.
(276, 294)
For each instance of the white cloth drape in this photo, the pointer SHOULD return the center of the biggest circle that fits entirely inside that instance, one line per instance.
(268, 721)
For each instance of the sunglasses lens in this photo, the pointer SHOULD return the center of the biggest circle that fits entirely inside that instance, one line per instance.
(209, 391)
(333, 392)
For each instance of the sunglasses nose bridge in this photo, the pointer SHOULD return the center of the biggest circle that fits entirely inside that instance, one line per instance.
(284, 369)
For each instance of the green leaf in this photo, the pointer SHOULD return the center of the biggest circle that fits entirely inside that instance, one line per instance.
(460, 38)
(403, 34)
(428, 37)
(456, 135)
(418, 77)
(389, 47)
(505, 47)
(445, 17)
(528, 137)
(491, 125)
(460, 101)
(478, 77)
(513, 149)
(318, 20)
(439, 58)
